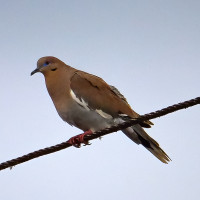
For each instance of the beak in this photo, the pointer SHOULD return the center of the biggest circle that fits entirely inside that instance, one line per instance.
(35, 71)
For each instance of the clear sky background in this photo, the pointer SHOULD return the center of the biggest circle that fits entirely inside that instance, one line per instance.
(150, 50)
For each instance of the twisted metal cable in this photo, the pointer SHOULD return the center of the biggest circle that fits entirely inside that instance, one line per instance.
(97, 134)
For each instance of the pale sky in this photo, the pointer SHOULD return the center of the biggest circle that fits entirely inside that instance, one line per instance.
(150, 50)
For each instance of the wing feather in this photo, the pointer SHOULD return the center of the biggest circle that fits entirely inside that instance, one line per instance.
(101, 96)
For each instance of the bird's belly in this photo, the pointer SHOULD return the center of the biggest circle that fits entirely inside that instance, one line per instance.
(86, 119)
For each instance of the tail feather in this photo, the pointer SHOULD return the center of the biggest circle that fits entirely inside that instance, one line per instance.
(139, 136)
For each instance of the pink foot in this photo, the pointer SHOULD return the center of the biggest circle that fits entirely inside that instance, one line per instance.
(78, 139)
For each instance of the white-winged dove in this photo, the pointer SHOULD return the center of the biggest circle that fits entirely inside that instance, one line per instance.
(89, 103)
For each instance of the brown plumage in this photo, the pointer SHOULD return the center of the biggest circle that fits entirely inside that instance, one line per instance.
(89, 103)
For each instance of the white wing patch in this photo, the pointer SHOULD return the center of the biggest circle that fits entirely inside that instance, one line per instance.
(103, 114)
(123, 115)
(84, 104)
(80, 102)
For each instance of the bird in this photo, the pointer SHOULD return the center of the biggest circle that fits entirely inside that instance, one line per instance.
(87, 102)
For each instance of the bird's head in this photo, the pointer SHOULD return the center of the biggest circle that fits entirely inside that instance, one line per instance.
(48, 64)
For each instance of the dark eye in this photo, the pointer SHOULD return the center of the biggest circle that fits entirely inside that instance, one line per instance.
(46, 63)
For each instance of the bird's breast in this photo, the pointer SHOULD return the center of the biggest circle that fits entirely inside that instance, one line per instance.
(85, 119)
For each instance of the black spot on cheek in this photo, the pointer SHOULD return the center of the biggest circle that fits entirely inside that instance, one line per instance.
(54, 69)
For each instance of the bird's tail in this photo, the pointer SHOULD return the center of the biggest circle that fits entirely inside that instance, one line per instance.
(137, 134)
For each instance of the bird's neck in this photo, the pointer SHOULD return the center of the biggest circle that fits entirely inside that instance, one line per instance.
(58, 86)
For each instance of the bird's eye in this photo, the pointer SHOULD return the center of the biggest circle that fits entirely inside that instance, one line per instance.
(46, 63)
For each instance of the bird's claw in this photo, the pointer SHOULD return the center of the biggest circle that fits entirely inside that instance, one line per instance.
(77, 140)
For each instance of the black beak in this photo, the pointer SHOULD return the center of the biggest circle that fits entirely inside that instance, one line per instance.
(35, 71)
